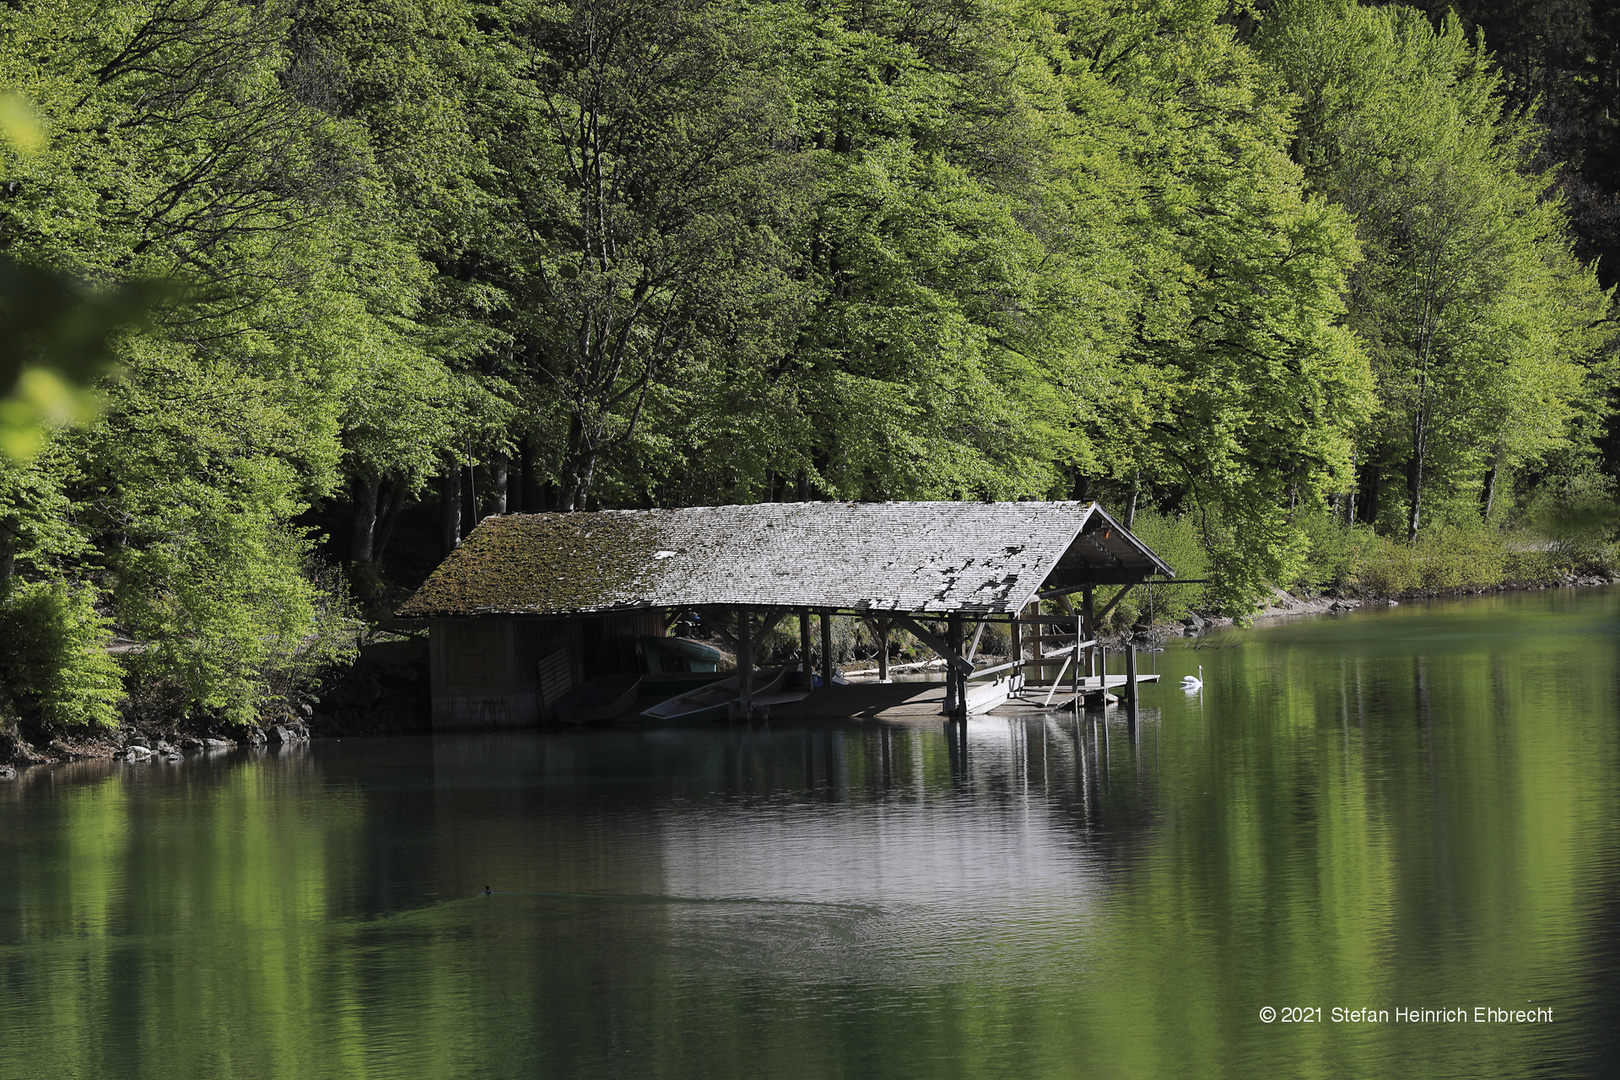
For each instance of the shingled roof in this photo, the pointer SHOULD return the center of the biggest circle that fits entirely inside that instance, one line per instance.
(919, 557)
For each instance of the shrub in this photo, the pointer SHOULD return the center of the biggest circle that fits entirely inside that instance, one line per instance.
(1448, 559)
(1460, 558)
(1336, 553)
(54, 666)
(233, 615)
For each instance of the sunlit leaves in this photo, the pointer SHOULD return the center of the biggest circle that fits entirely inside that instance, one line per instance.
(1476, 315)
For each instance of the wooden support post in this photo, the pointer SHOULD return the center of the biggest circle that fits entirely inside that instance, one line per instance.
(826, 649)
(1079, 638)
(745, 663)
(1016, 636)
(804, 646)
(1130, 674)
(953, 679)
(1037, 647)
(883, 651)
(1068, 608)
(1088, 628)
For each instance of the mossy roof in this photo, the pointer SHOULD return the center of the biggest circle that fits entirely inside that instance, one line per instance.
(919, 557)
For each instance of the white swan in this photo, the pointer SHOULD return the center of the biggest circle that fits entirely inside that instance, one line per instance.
(1193, 682)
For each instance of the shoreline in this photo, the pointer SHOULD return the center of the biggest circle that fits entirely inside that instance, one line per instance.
(1283, 604)
(136, 743)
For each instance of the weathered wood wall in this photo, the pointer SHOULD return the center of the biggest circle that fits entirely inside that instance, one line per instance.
(485, 671)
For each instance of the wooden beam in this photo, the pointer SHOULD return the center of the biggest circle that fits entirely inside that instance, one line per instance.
(1108, 578)
(713, 616)
(1016, 634)
(768, 622)
(826, 649)
(1056, 682)
(745, 662)
(731, 635)
(979, 673)
(1115, 579)
(973, 649)
(1042, 620)
(935, 642)
(1053, 655)
(804, 642)
(1067, 649)
(1103, 614)
(1109, 555)
(1085, 624)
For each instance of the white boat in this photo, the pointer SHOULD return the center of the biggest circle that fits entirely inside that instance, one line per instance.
(714, 701)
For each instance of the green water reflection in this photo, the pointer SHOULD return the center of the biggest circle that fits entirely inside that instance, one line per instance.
(1413, 808)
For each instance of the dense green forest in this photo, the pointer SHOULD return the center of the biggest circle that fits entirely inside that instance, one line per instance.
(354, 276)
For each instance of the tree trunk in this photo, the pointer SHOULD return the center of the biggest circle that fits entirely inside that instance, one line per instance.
(534, 495)
(1375, 482)
(1490, 482)
(1414, 477)
(516, 485)
(1130, 508)
(450, 508)
(1350, 496)
(576, 482)
(387, 516)
(499, 475)
(364, 530)
(8, 552)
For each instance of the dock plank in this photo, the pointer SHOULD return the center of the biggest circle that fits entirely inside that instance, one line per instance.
(916, 702)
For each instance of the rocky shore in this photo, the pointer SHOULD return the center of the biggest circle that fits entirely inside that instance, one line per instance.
(135, 744)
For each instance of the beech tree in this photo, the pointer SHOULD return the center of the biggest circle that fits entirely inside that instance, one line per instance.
(635, 147)
(1476, 313)
(1245, 384)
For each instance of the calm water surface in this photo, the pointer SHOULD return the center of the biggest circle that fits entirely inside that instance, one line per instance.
(1413, 808)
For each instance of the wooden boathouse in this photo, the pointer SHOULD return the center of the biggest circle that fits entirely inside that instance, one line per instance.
(530, 605)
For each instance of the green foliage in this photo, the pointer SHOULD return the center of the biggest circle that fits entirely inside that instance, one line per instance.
(1178, 541)
(211, 573)
(723, 250)
(54, 336)
(1568, 532)
(1479, 321)
(186, 145)
(1335, 554)
(1446, 560)
(1579, 518)
(54, 666)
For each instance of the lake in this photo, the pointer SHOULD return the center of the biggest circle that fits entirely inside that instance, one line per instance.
(1414, 808)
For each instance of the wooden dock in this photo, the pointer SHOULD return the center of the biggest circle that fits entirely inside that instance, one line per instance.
(924, 702)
